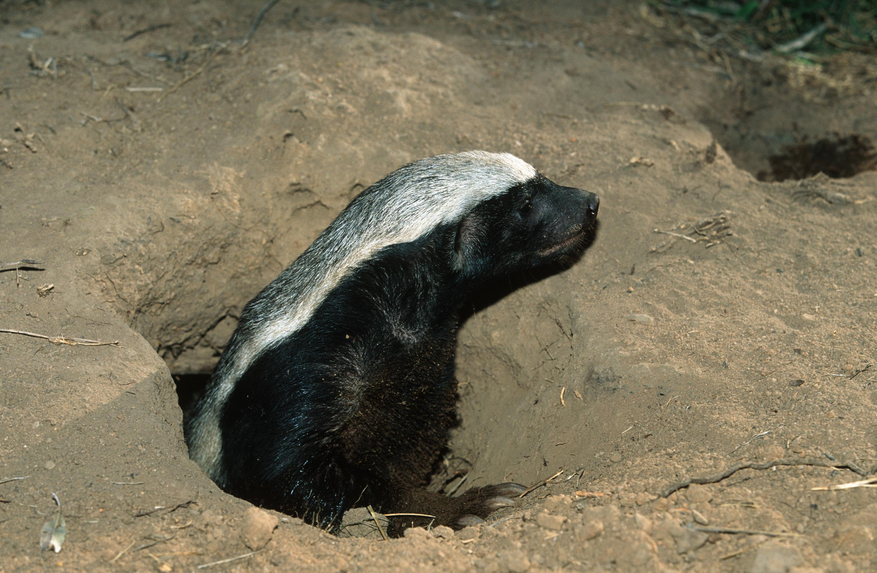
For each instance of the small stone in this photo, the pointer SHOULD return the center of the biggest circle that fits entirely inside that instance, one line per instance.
(548, 521)
(640, 318)
(257, 528)
(443, 532)
(556, 503)
(661, 504)
(645, 497)
(699, 517)
(49, 465)
(615, 457)
(776, 558)
(468, 533)
(591, 530)
(808, 317)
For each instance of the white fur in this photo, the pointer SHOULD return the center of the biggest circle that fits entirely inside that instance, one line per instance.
(402, 207)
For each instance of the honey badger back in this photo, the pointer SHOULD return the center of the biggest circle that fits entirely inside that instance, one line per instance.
(337, 388)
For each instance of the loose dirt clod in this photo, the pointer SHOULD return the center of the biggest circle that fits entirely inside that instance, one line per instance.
(257, 528)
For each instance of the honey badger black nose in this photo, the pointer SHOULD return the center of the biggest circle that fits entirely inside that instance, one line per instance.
(592, 204)
(581, 206)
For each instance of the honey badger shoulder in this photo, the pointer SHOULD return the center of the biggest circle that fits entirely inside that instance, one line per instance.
(338, 388)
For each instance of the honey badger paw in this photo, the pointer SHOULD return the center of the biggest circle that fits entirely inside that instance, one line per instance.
(457, 512)
(478, 503)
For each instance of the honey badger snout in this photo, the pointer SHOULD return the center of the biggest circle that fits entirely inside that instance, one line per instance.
(575, 209)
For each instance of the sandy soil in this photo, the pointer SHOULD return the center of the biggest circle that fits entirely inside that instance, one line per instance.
(717, 322)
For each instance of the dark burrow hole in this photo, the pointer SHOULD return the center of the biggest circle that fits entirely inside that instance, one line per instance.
(836, 156)
(189, 389)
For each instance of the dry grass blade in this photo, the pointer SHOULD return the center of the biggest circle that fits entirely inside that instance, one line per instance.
(378, 523)
(229, 560)
(850, 485)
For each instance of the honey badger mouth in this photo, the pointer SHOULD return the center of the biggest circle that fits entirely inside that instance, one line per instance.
(575, 240)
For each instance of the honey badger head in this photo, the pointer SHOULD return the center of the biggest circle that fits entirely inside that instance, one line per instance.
(532, 223)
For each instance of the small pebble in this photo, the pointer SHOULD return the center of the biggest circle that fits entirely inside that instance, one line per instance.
(31, 33)
(468, 533)
(443, 532)
(548, 521)
(49, 465)
(591, 530)
(640, 318)
(257, 528)
(699, 517)
(615, 457)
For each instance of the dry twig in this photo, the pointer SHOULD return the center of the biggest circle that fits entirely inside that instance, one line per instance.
(145, 30)
(740, 531)
(677, 235)
(192, 76)
(61, 339)
(539, 484)
(122, 552)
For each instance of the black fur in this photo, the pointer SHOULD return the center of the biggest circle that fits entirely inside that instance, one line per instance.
(355, 407)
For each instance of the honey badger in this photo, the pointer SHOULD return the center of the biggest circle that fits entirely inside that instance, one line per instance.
(337, 388)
